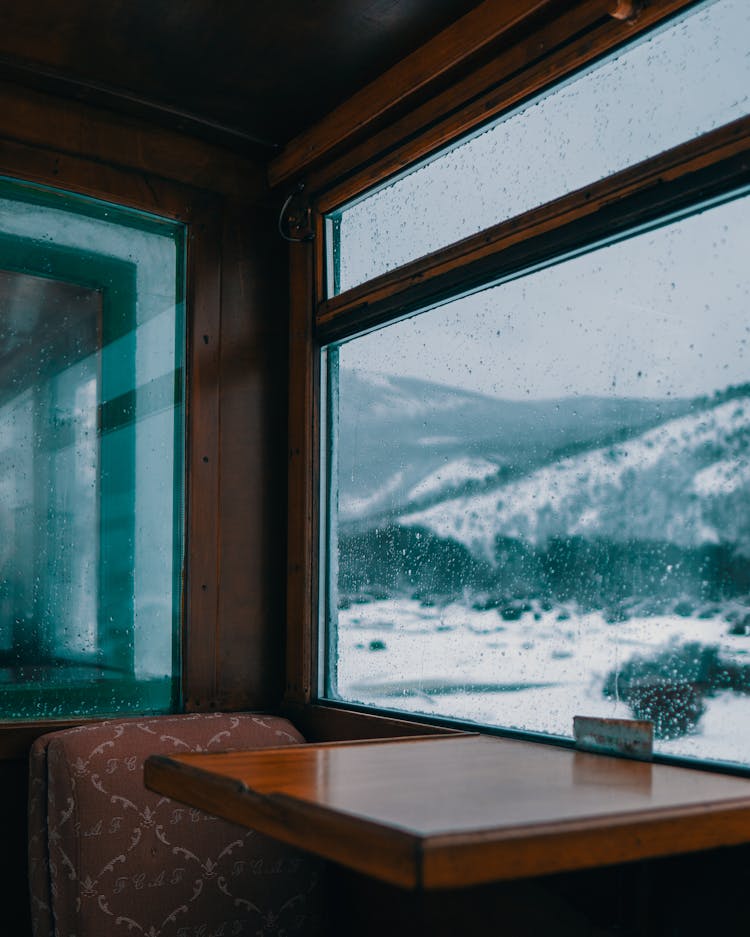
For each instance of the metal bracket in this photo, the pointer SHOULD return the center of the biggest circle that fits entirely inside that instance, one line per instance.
(295, 217)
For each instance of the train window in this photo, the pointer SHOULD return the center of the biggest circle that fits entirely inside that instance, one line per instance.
(536, 488)
(91, 441)
(676, 83)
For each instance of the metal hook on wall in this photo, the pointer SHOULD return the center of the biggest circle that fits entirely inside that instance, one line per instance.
(295, 218)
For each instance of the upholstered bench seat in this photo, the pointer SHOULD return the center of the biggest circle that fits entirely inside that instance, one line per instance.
(108, 857)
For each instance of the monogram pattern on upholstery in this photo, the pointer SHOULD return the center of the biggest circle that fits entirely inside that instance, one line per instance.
(108, 857)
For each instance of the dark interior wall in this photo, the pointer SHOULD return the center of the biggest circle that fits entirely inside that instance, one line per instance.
(680, 896)
(236, 403)
(15, 916)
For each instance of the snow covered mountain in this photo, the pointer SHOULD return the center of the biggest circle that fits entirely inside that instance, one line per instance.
(685, 481)
(408, 444)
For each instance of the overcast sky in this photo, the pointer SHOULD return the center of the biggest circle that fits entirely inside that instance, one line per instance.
(664, 313)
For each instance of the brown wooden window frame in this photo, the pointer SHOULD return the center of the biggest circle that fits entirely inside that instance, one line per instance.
(542, 45)
(200, 213)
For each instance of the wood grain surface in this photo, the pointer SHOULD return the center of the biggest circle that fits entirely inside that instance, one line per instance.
(442, 812)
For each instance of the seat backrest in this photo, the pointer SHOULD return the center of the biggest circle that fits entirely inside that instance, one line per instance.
(109, 857)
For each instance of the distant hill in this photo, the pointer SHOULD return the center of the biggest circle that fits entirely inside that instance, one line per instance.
(685, 481)
(634, 506)
(410, 444)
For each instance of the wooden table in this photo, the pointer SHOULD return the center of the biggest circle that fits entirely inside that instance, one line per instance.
(451, 811)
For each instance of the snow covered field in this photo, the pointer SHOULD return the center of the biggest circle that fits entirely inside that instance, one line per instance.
(535, 673)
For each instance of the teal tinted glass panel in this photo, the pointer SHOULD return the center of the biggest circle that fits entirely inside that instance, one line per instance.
(678, 82)
(538, 496)
(91, 466)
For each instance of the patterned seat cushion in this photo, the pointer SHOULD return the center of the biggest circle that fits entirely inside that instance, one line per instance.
(108, 857)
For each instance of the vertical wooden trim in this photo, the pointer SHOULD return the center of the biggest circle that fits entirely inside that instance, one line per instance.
(254, 411)
(302, 587)
(202, 529)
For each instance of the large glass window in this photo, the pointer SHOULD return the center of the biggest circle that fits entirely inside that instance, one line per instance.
(543, 499)
(91, 441)
(536, 498)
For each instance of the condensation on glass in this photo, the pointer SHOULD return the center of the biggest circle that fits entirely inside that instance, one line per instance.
(539, 496)
(679, 82)
(91, 441)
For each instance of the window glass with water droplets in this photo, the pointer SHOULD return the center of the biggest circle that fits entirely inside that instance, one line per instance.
(677, 82)
(537, 495)
(542, 499)
(91, 430)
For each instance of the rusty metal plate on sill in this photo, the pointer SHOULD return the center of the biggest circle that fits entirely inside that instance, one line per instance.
(633, 738)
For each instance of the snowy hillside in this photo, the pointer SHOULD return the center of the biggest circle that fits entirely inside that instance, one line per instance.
(686, 481)
(550, 558)
(453, 474)
(406, 443)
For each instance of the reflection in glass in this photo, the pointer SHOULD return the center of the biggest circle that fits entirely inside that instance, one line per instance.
(676, 84)
(90, 471)
(539, 500)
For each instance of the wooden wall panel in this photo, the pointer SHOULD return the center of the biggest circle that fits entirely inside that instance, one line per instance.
(71, 129)
(253, 466)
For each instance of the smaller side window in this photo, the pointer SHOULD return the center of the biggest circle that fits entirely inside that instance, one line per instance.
(91, 440)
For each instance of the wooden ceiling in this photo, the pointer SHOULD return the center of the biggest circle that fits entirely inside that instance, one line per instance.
(247, 72)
